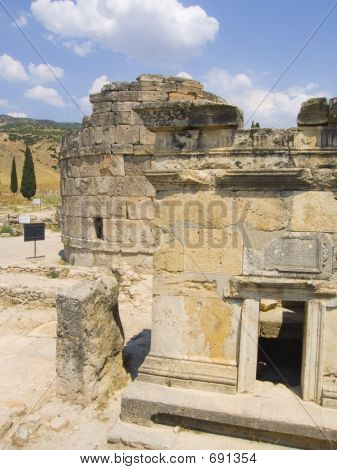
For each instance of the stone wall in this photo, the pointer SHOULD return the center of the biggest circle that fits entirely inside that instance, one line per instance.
(240, 215)
(107, 203)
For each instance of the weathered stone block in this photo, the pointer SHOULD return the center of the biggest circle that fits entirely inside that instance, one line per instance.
(209, 322)
(127, 134)
(314, 112)
(136, 165)
(215, 259)
(127, 96)
(146, 137)
(92, 206)
(118, 208)
(89, 340)
(112, 165)
(102, 107)
(169, 257)
(141, 233)
(103, 119)
(123, 117)
(106, 96)
(89, 166)
(181, 97)
(143, 149)
(152, 96)
(314, 211)
(333, 112)
(290, 254)
(139, 208)
(117, 231)
(131, 186)
(268, 213)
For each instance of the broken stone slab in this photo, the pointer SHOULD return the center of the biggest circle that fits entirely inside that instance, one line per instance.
(168, 115)
(89, 339)
(21, 436)
(333, 112)
(141, 437)
(58, 423)
(13, 408)
(268, 304)
(5, 424)
(281, 323)
(314, 112)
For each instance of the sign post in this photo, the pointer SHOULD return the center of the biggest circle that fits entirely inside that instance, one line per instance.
(34, 232)
(24, 219)
(37, 202)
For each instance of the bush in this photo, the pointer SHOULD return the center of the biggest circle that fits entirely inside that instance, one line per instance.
(53, 274)
(7, 229)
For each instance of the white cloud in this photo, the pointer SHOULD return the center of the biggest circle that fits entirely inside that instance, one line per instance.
(81, 49)
(141, 29)
(184, 75)
(96, 87)
(98, 84)
(280, 109)
(47, 95)
(18, 115)
(21, 21)
(11, 69)
(43, 73)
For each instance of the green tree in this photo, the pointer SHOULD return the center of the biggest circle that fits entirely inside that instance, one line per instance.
(14, 178)
(257, 125)
(28, 182)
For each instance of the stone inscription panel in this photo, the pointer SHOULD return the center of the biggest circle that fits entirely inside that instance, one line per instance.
(294, 255)
(291, 254)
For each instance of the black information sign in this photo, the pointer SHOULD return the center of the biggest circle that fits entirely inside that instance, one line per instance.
(34, 232)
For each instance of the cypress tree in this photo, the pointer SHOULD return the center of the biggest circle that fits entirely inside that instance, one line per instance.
(28, 182)
(14, 178)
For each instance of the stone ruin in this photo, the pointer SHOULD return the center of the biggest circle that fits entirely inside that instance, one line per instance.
(164, 176)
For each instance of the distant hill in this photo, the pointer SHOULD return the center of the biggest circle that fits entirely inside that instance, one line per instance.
(43, 137)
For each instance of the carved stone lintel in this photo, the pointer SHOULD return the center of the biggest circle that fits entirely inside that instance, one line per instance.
(166, 180)
(280, 288)
(272, 179)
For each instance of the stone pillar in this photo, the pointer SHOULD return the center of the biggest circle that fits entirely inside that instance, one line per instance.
(312, 374)
(89, 340)
(249, 338)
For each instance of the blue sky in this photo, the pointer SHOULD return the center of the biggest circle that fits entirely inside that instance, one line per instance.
(237, 48)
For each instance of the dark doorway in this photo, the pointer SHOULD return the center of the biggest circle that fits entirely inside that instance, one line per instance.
(280, 344)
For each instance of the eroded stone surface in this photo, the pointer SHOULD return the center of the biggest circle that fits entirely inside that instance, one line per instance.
(89, 339)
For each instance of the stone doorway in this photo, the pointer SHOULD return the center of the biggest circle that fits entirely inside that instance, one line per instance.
(280, 343)
(311, 364)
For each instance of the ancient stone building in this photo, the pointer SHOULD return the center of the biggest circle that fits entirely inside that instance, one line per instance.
(107, 203)
(236, 217)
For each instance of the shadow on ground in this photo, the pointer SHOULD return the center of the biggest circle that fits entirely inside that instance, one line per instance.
(135, 352)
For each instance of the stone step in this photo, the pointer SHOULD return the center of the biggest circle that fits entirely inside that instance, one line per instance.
(274, 414)
(159, 437)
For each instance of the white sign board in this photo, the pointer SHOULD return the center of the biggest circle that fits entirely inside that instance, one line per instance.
(37, 202)
(24, 219)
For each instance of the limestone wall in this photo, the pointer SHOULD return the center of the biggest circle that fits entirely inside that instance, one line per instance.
(107, 203)
(254, 218)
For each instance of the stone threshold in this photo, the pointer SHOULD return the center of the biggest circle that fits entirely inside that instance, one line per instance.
(273, 414)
